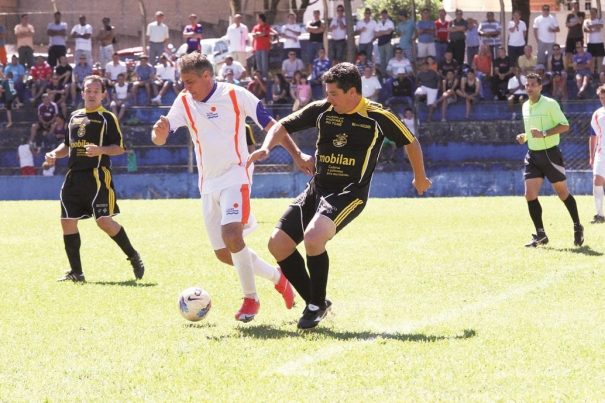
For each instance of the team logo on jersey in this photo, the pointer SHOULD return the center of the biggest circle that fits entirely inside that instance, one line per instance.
(212, 114)
(340, 140)
(82, 129)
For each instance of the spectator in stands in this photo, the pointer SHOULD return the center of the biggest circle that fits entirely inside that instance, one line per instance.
(546, 79)
(3, 59)
(237, 35)
(7, 96)
(593, 27)
(321, 64)
(291, 65)
(402, 90)
(472, 40)
(516, 36)
(362, 62)
(557, 69)
(145, 77)
(192, 34)
(384, 33)
(448, 63)
(407, 34)
(442, 26)
(449, 86)
(41, 74)
(482, 63)
(426, 35)
(230, 78)
(24, 32)
(527, 61)
(516, 90)
(545, 30)
(58, 130)
(106, 39)
(119, 102)
(25, 155)
(158, 36)
(574, 23)
(582, 65)
(280, 90)
(470, 87)
(302, 93)
(398, 62)
(338, 30)
(112, 69)
(502, 74)
(82, 33)
(457, 44)
(18, 71)
(80, 72)
(366, 29)
(57, 93)
(290, 32)
(64, 71)
(239, 72)
(47, 111)
(489, 31)
(262, 44)
(257, 86)
(165, 77)
(432, 63)
(57, 32)
(427, 86)
(316, 29)
(409, 119)
(370, 86)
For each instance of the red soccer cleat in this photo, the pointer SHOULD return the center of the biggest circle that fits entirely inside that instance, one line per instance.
(284, 287)
(248, 310)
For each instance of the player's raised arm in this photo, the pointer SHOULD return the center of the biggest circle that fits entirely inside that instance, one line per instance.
(160, 131)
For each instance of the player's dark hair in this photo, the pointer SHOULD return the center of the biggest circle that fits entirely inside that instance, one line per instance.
(95, 79)
(345, 75)
(534, 76)
(195, 62)
(601, 89)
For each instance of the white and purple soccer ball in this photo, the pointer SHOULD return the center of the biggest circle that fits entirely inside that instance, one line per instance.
(194, 303)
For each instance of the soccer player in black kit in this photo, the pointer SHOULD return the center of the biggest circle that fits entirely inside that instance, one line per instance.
(350, 133)
(94, 136)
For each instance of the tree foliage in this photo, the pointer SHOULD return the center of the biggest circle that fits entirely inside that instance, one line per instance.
(394, 6)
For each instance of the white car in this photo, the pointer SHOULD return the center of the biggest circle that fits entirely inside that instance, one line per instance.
(217, 49)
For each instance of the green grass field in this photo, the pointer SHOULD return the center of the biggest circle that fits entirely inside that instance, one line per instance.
(434, 300)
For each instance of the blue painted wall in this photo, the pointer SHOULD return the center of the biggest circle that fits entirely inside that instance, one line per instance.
(392, 184)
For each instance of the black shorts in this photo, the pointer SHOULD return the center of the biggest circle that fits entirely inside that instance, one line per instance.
(88, 193)
(570, 45)
(340, 206)
(596, 49)
(545, 163)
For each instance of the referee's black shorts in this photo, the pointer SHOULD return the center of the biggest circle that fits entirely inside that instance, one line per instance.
(88, 193)
(340, 206)
(545, 163)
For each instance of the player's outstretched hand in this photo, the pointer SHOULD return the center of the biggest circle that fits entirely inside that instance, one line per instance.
(258, 155)
(520, 138)
(306, 163)
(50, 157)
(422, 185)
(160, 130)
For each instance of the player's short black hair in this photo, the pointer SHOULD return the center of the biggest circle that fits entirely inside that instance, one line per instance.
(345, 75)
(195, 62)
(534, 76)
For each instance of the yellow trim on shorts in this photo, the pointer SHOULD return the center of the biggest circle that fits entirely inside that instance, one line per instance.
(347, 211)
(112, 196)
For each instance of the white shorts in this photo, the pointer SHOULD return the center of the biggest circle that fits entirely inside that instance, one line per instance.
(598, 167)
(227, 206)
(426, 49)
(431, 94)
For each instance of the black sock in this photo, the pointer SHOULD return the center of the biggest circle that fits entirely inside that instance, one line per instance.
(318, 269)
(72, 248)
(123, 242)
(535, 212)
(295, 271)
(572, 207)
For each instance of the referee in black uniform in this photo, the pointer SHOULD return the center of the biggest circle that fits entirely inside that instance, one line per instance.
(94, 136)
(351, 131)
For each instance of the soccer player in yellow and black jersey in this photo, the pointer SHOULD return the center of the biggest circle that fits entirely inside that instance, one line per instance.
(94, 136)
(351, 131)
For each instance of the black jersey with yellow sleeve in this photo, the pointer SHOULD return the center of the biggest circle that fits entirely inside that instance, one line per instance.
(348, 145)
(99, 127)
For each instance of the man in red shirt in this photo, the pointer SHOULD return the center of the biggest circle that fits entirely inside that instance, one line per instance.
(441, 35)
(41, 73)
(262, 43)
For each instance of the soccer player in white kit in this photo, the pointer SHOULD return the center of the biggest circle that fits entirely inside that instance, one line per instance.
(215, 114)
(597, 157)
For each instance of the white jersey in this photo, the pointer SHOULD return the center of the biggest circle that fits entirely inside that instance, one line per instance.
(598, 126)
(217, 128)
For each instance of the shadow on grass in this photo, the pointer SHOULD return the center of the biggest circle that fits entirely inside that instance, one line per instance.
(200, 325)
(583, 250)
(270, 332)
(126, 283)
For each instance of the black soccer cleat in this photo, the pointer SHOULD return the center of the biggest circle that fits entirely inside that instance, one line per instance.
(578, 234)
(537, 239)
(598, 219)
(311, 318)
(71, 276)
(137, 265)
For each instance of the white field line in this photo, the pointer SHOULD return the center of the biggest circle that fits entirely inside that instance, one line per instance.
(296, 367)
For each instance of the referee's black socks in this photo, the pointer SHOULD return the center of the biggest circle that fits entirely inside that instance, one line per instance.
(295, 271)
(535, 212)
(72, 248)
(123, 242)
(572, 207)
(318, 269)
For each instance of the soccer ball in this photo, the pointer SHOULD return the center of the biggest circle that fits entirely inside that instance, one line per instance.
(194, 303)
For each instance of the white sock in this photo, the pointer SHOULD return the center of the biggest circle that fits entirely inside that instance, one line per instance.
(598, 193)
(264, 269)
(242, 261)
